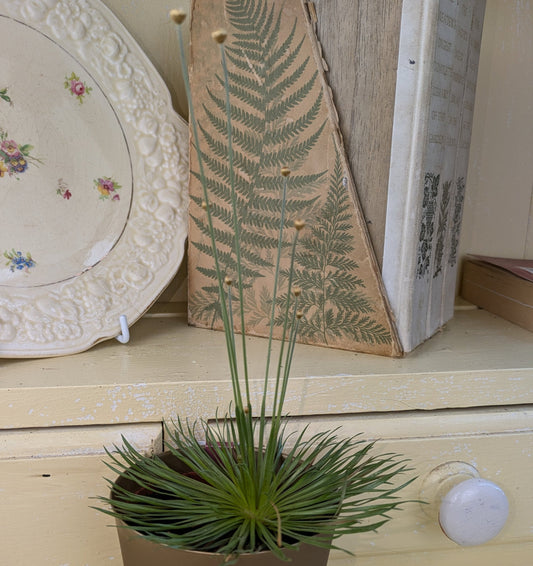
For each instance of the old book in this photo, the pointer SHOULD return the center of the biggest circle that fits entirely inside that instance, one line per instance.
(403, 76)
(282, 115)
(435, 90)
(501, 286)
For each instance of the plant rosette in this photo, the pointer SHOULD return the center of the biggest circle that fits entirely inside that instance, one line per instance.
(138, 550)
(250, 490)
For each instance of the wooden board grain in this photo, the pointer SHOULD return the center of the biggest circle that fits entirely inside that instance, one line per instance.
(359, 42)
(498, 291)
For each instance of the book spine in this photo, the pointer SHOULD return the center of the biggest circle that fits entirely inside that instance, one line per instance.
(461, 161)
(437, 70)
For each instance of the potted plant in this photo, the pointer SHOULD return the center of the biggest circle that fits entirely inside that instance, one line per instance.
(248, 490)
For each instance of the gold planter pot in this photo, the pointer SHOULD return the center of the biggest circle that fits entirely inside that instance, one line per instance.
(138, 551)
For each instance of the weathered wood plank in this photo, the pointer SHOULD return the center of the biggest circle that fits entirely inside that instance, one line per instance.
(48, 482)
(360, 46)
(169, 369)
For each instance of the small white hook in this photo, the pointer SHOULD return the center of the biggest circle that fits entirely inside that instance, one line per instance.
(124, 336)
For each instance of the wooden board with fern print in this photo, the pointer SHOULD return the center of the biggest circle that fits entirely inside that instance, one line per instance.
(281, 116)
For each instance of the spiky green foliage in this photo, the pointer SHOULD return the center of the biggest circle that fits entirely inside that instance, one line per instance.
(268, 81)
(333, 297)
(252, 486)
(235, 500)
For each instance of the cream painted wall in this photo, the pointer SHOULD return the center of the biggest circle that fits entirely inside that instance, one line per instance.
(498, 216)
(148, 23)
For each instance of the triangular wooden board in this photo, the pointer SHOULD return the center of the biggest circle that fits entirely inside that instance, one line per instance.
(282, 115)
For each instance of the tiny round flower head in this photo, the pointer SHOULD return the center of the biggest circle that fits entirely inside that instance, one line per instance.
(285, 171)
(228, 281)
(299, 224)
(177, 16)
(219, 35)
(296, 291)
(299, 314)
(204, 205)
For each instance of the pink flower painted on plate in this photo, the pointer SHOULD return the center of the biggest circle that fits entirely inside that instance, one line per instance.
(10, 148)
(77, 87)
(107, 187)
(63, 190)
(14, 158)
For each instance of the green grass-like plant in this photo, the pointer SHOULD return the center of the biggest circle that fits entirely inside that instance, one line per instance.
(251, 485)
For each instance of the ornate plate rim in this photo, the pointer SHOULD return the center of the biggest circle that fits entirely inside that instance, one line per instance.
(71, 316)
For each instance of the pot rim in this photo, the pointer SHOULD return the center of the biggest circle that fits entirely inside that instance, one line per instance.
(123, 527)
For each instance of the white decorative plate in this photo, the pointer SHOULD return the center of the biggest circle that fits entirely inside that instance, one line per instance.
(93, 178)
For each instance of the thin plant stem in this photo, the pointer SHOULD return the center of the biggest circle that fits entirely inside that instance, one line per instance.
(230, 314)
(274, 298)
(285, 325)
(232, 356)
(235, 222)
(288, 360)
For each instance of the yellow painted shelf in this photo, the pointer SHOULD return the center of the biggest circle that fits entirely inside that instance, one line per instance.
(169, 368)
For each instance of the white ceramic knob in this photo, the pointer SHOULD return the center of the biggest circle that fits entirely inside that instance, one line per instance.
(473, 512)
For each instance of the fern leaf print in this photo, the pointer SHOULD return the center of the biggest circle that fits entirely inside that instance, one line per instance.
(280, 117)
(333, 296)
(268, 81)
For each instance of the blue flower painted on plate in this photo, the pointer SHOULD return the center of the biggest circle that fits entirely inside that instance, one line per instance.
(18, 262)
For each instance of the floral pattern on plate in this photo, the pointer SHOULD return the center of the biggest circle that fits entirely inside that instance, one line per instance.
(14, 157)
(63, 190)
(16, 261)
(89, 259)
(77, 87)
(107, 187)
